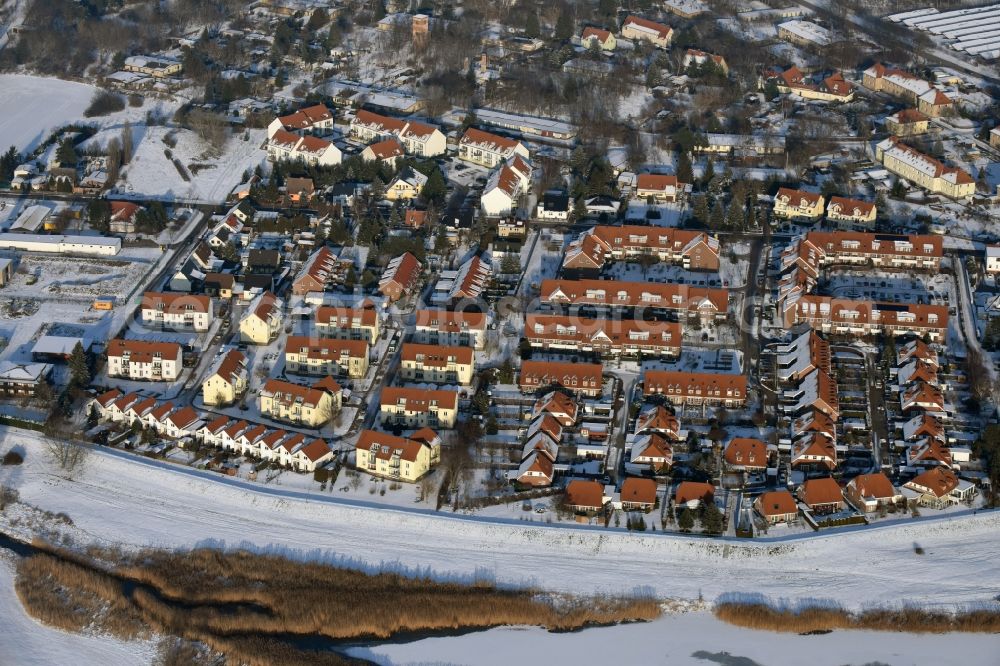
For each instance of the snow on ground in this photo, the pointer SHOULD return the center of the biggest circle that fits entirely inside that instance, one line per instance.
(151, 173)
(121, 499)
(26, 641)
(32, 106)
(695, 639)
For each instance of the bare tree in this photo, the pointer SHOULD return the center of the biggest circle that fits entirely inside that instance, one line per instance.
(128, 143)
(210, 128)
(65, 452)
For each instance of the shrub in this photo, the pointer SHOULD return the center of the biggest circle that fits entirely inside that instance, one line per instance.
(104, 102)
(12, 458)
(135, 100)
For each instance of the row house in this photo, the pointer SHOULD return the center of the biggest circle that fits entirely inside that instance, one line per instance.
(262, 322)
(321, 270)
(292, 450)
(559, 406)
(924, 170)
(284, 146)
(816, 391)
(344, 323)
(659, 187)
(814, 451)
(803, 355)
(306, 355)
(445, 327)
(708, 303)
(505, 186)
(471, 279)
(436, 363)
(308, 406)
(316, 119)
(418, 408)
(696, 388)
(581, 378)
(694, 250)
(608, 337)
(861, 318)
(178, 311)
(652, 450)
(929, 100)
(398, 458)
(488, 149)
(227, 381)
(644, 30)
(167, 419)
(149, 361)
(657, 419)
(922, 429)
(417, 138)
(930, 453)
(401, 277)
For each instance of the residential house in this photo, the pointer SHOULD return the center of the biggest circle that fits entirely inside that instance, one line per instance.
(417, 138)
(638, 494)
(306, 457)
(908, 122)
(585, 496)
(938, 488)
(851, 213)
(385, 455)
(776, 506)
(929, 100)
(553, 206)
(924, 170)
(321, 270)
(444, 327)
(488, 149)
(815, 451)
(387, 151)
(150, 361)
(598, 38)
(822, 496)
(696, 388)
(704, 302)
(19, 380)
(219, 284)
(316, 119)
(609, 337)
(227, 381)
(691, 494)
(656, 418)
(654, 451)
(871, 492)
(123, 217)
(300, 190)
(177, 311)
(698, 58)
(360, 323)
(558, 405)
(436, 363)
(306, 355)
(294, 403)
(407, 184)
(592, 250)
(583, 378)
(843, 316)
(401, 277)
(798, 205)
(505, 187)
(644, 30)
(660, 188)
(745, 454)
(283, 146)
(262, 321)
(414, 219)
(418, 408)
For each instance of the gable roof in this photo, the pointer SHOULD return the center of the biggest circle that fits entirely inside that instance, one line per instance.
(776, 503)
(638, 491)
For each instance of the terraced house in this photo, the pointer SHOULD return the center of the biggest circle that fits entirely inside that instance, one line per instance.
(696, 388)
(150, 361)
(443, 327)
(707, 303)
(488, 149)
(694, 250)
(342, 323)
(418, 408)
(320, 356)
(403, 459)
(580, 378)
(294, 403)
(859, 318)
(177, 311)
(609, 337)
(438, 364)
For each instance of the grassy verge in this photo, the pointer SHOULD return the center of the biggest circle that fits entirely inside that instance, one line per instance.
(261, 609)
(762, 616)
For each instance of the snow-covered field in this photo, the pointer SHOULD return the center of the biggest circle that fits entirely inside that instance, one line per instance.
(123, 500)
(689, 639)
(32, 106)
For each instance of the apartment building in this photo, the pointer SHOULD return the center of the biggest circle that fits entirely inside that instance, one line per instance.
(178, 311)
(644, 30)
(817, 249)
(417, 138)
(314, 119)
(284, 146)
(488, 149)
(658, 187)
(843, 316)
(262, 321)
(798, 205)
(343, 323)
(592, 250)
(294, 403)
(149, 361)
(908, 122)
(444, 327)
(22, 379)
(696, 388)
(391, 457)
(227, 381)
(418, 408)
(701, 301)
(505, 186)
(608, 337)
(436, 363)
(581, 378)
(323, 356)
(929, 100)
(924, 170)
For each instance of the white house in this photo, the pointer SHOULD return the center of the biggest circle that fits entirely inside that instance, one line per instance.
(993, 259)
(138, 359)
(285, 146)
(505, 186)
(417, 138)
(488, 149)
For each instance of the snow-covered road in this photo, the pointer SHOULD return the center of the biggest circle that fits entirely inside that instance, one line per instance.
(123, 501)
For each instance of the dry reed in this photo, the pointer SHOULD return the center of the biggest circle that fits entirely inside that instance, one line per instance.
(762, 616)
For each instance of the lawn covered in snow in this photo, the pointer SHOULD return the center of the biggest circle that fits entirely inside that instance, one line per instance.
(32, 106)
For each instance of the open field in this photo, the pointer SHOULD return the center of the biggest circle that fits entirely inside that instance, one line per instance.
(32, 106)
